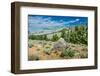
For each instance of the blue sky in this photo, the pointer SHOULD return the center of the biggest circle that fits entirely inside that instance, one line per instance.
(38, 22)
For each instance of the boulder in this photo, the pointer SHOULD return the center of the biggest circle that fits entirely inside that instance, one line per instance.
(60, 44)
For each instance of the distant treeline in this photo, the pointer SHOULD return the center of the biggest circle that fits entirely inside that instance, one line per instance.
(76, 35)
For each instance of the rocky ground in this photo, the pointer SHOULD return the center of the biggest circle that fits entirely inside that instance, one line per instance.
(48, 50)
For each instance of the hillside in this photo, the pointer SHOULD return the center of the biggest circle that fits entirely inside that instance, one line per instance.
(63, 44)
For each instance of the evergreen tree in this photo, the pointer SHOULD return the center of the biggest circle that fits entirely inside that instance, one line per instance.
(63, 32)
(55, 37)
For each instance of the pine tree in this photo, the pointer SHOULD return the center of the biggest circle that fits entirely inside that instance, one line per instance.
(55, 37)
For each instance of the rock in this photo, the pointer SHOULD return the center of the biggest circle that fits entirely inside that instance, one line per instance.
(60, 44)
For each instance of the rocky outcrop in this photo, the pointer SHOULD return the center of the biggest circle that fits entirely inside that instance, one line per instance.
(60, 44)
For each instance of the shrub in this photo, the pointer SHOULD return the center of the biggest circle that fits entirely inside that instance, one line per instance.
(83, 55)
(33, 57)
(47, 50)
(55, 37)
(78, 35)
(38, 49)
(63, 33)
(30, 45)
(37, 37)
(32, 37)
(68, 53)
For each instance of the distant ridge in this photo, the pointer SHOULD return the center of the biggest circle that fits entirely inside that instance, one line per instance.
(51, 32)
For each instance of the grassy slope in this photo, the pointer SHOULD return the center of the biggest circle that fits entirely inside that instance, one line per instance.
(42, 50)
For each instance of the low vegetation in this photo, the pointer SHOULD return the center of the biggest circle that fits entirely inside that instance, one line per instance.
(70, 43)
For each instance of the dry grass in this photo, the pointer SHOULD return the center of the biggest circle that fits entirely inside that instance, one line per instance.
(42, 50)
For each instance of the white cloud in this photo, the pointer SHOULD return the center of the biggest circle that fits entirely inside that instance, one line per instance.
(72, 21)
(45, 22)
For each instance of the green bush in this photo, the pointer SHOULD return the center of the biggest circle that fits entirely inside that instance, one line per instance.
(68, 53)
(33, 57)
(55, 37)
(32, 37)
(78, 35)
(37, 37)
(63, 33)
(30, 45)
(38, 49)
(47, 50)
(83, 55)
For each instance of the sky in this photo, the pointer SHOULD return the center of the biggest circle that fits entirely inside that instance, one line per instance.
(47, 22)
